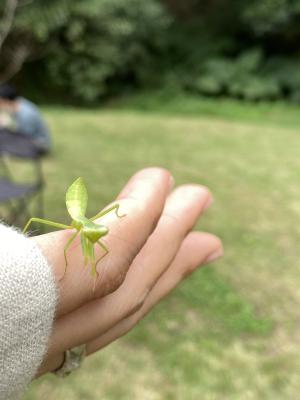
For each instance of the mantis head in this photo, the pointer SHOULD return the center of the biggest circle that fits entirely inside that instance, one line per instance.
(95, 232)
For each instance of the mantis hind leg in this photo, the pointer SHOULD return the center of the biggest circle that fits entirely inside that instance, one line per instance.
(46, 222)
(108, 210)
(69, 242)
(94, 271)
(103, 247)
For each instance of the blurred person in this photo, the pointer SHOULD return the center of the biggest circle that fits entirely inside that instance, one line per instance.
(20, 115)
(48, 324)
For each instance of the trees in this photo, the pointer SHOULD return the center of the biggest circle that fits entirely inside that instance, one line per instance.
(91, 49)
(246, 49)
(106, 44)
(25, 27)
(85, 47)
(11, 61)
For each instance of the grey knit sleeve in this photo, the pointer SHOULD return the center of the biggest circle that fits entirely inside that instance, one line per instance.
(28, 297)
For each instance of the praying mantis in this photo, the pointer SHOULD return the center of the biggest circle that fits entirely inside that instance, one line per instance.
(90, 232)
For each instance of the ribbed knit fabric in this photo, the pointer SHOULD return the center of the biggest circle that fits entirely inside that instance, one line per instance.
(28, 297)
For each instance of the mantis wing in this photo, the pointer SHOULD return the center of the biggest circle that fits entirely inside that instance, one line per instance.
(76, 199)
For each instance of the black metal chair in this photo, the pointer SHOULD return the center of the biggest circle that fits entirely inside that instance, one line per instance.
(17, 196)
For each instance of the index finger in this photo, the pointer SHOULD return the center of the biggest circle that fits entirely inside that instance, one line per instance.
(142, 200)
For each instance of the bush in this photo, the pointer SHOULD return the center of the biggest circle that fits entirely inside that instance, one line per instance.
(249, 76)
(106, 45)
(91, 49)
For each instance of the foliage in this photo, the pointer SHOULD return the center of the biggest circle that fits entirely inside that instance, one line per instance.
(254, 52)
(90, 48)
(26, 31)
(106, 43)
(86, 50)
(272, 16)
(240, 77)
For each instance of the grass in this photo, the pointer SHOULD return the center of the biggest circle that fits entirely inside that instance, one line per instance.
(164, 102)
(232, 330)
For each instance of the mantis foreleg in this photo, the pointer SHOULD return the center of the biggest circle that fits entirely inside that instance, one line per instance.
(69, 242)
(84, 246)
(106, 252)
(46, 222)
(108, 210)
(92, 258)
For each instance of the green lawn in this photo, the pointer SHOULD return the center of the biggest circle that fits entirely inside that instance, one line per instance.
(232, 331)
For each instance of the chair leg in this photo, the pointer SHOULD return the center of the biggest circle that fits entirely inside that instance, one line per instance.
(39, 207)
(14, 211)
(19, 210)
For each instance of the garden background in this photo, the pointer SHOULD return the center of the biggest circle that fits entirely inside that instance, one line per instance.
(211, 91)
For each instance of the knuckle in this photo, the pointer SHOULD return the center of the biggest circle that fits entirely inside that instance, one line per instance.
(135, 304)
(172, 219)
(117, 280)
(131, 322)
(110, 282)
(187, 270)
(142, 209)
(173, 224)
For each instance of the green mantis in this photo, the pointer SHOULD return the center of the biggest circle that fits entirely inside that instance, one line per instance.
(90, 232)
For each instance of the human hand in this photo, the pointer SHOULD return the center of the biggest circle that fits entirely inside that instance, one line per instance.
(151, 251)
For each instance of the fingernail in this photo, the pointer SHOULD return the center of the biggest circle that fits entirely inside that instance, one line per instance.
(208, 203)
(215, 255)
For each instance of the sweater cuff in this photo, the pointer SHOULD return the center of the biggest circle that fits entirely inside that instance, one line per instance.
(28, 297)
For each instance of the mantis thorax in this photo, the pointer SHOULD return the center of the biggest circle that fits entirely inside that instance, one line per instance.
(91, 230)
(79, 222)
